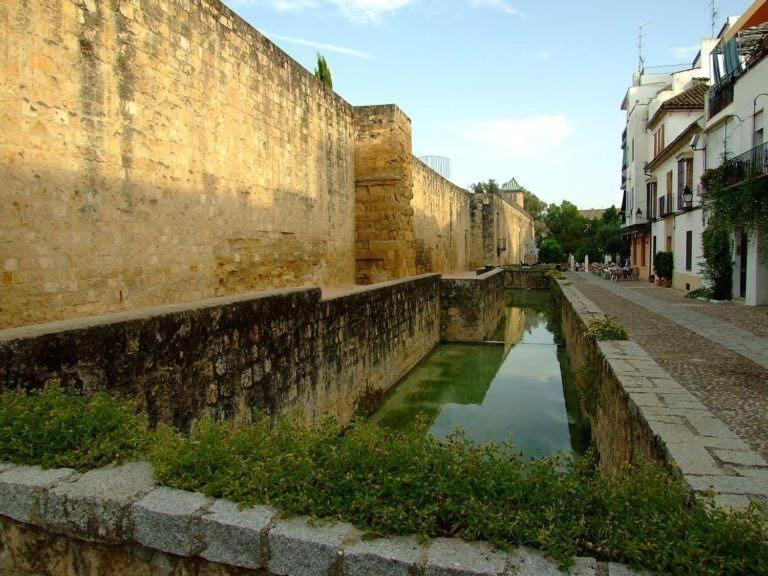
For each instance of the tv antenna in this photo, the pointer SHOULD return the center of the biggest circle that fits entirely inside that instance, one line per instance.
(640, 35)
(714, 14)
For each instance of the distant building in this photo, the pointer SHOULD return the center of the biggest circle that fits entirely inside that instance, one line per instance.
(512, 190)
(440, 164)
(593, 213)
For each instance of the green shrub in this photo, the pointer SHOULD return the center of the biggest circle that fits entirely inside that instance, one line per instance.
(54, 428)
(388, 482)
(606, 329)
(702, 292)
(550, 252)
(664, 265)
(718, 262)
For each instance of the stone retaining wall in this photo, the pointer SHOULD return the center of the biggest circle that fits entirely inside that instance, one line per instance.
(471, 307)
(639, 409)
(532, 279)
(115, 521)
(268, 350)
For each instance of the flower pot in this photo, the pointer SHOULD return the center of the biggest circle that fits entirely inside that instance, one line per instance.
(651, 278)
(657, 281)
(667, 283)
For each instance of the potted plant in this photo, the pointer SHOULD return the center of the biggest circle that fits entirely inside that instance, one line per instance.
(664, 266)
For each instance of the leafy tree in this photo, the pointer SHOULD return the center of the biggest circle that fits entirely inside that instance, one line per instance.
(718, 263)
(485, 187)
(566, 225)
(550, 252)
(322, 72)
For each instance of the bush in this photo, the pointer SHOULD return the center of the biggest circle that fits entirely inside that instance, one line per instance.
(550, 252)
(54, 428)
(606, 329)
(718, 262)
(664, 265)
(389, 482)
(702, 292)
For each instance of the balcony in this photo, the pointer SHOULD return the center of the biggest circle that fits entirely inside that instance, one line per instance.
(748, 166)
(719, 97)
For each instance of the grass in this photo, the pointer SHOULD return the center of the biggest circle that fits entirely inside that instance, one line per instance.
(388, 482)
(702, 292)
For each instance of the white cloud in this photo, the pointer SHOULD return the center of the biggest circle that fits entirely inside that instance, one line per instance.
(360, 11)
(321, 46)
(545, 55)
(513, 138)
(501, 5)
(684, 52)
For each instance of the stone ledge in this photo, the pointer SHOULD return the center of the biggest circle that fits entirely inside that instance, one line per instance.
(120, 505)
(705, 450)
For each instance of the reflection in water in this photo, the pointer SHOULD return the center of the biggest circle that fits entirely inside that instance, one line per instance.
(520, 391)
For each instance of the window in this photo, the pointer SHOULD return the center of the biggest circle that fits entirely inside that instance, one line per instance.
(653, 252)
(689, 250)
(669, 244)
(658, 141)
(662, 206)
(650, 200)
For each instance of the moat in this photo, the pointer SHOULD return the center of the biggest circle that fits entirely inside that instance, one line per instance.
(515, 388)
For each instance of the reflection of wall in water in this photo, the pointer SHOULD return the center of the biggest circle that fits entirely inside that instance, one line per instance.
(514, 327)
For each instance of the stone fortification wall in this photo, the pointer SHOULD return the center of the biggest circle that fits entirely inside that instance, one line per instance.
(162, 151)
(441, 222)
(500, 229)
(272, 351)
(472, 307)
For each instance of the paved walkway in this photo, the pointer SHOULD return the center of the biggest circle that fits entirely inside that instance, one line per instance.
(717, 352)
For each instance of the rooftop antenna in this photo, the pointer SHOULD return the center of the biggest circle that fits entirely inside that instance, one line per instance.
(640, 35)
(714, 14)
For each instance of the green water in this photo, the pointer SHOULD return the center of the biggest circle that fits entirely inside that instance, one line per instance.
(517, 389)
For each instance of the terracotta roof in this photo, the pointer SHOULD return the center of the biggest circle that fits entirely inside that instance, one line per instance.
(691, 99)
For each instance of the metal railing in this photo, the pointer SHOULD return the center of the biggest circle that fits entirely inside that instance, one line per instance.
(751, 164)
(666, 69)
(719, 97)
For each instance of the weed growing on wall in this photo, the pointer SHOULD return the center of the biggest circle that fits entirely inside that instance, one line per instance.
(586, 384)
(607, 329)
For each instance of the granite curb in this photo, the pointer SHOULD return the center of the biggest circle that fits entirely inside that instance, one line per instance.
(122, 505)
(710, 457)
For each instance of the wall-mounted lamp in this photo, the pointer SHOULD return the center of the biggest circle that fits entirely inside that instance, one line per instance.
(687, 197)
(638, 214)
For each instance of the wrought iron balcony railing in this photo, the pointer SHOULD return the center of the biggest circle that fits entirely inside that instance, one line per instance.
(719, 97)
(751, 164)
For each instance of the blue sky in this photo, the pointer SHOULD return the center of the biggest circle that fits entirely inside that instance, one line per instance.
(505, 88)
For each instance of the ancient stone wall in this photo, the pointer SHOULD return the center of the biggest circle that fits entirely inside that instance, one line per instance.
(471, 307)
(271, 351)
(162, 151)
(384, 242)
(441, 222)
(500, 229)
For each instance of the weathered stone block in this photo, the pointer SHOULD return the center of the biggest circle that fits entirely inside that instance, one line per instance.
(233, 536)
(169, 520)
(741, 457)
(528, 562)
(98, 505)
(384, 557)
(615, 569)
(299, 549)
(453, 557)
(22, 487)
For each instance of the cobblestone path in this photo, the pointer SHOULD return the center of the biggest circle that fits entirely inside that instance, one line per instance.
(718, 360)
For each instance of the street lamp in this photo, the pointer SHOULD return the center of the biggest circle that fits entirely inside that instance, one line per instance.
(638, 214)
(687, 197)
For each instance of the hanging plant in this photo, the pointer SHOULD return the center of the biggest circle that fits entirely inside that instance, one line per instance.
(737, 196)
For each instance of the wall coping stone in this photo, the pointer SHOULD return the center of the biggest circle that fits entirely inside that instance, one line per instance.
(191, 524)
(378, 286)
(146, 313)
(689, 436)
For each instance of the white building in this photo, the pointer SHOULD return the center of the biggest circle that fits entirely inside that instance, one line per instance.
(644, 102)
(735, 128)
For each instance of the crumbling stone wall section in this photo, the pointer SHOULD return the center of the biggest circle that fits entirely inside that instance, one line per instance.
(441, 222)
(472, 307)
(272, 351)
(162, 151)
(500, 229)
(384, 240)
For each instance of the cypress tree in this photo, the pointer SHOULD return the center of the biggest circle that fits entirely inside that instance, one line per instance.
(322, 72)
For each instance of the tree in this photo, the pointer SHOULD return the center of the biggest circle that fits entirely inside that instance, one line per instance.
(322, 72)
(485, 187)
(550, 252)
(566, 225)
